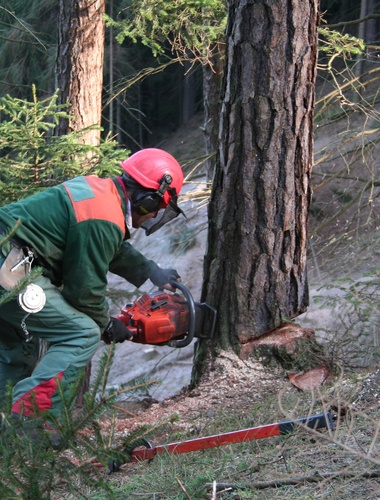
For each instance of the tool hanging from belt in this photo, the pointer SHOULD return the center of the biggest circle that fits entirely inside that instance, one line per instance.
(16, 266)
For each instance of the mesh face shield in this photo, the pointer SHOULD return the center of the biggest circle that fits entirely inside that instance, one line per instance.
(171, 212)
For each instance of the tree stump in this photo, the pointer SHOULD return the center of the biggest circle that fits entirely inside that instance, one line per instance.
(290, 346)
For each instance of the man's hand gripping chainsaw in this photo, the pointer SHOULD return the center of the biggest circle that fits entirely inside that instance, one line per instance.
(163, 318)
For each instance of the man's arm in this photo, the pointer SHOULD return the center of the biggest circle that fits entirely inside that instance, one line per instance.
(131, 265)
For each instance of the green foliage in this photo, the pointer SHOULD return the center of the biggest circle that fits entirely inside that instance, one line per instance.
(31, 468)
(31, 158)
(194, 26)
(28, 45)
(335, 43)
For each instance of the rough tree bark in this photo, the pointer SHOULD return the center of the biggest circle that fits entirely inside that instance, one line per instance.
(79, 65)
(255, 266)
(212, 77)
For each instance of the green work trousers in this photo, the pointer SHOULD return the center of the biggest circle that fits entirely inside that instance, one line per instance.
(72, 338)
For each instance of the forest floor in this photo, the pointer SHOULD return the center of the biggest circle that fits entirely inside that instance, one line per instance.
(236, 394)
(334, 463)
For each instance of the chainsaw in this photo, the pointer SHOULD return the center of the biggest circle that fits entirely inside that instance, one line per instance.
(171, 319)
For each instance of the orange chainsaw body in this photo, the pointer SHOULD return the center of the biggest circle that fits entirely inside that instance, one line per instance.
(156, 318)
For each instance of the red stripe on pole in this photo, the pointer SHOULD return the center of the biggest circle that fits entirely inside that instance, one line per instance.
(264, 431)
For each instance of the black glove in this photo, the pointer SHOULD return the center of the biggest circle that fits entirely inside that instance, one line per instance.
(160, 277)
(116, 331)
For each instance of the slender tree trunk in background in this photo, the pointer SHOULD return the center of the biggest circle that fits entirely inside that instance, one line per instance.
(372, 25)
(111, 43)
(80, 64)
(255, 267)
(367, 31)
(80, 59)
(361, 35)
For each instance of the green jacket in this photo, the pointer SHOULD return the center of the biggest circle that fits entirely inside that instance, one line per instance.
(78, 231)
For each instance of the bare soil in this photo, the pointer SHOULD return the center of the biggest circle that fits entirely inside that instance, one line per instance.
(232, 385)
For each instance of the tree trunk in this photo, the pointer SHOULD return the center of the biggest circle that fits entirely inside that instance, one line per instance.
(361, 35)
(212, 77)
(80, 59)
(255, 267)
(372, 25)
(80, 64)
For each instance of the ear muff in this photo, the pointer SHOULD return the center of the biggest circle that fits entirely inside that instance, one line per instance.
(146, 202)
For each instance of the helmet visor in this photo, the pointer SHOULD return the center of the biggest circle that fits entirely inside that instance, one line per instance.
(171, 212)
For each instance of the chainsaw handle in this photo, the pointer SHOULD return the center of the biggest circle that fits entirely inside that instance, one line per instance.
(190, 301)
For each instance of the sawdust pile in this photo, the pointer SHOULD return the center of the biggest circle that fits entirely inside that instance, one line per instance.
(232, 384)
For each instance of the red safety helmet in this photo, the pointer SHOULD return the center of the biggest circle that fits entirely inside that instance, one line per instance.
(149, 166)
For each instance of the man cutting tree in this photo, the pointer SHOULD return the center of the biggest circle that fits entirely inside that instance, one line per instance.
(76, 232)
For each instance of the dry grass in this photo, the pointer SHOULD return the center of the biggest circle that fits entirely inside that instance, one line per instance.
(304, 464)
